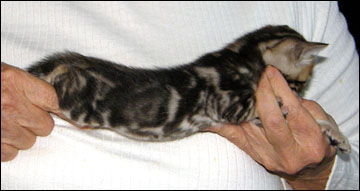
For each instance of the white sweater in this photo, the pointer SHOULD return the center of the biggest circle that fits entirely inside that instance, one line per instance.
(148, 34)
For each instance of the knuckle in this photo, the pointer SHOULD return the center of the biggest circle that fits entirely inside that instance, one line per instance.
(292, 165)
(8, 153)
(271, 167)
(317, 156)
(46, 127)
(17, 137)
(292, 169)
(31, 140)
(317, 149)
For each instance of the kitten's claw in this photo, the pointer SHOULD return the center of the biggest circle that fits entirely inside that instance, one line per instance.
(334, 136)
(284, 111)
(283, 108)
(257, 122)
(279, 101)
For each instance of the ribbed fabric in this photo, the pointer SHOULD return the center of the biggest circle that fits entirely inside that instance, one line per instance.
(152, 34)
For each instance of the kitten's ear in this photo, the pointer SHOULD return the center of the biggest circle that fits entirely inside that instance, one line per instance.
(307, 50)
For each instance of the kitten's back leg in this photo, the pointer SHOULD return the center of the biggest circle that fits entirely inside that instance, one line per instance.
(334, 136)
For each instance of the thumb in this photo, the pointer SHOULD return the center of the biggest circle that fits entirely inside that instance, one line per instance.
(40, 93)
(314, 109)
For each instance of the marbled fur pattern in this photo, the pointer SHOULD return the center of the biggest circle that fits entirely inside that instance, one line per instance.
(172, 103)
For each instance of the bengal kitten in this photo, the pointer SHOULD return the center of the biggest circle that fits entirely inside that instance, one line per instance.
(172, 103)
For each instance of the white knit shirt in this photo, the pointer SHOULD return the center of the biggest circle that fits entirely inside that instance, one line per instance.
(150, 34)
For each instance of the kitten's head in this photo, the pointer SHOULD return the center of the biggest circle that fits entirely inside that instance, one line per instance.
(288, 51)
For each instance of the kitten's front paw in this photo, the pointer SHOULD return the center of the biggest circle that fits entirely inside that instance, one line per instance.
(335, 137)
(257, 122)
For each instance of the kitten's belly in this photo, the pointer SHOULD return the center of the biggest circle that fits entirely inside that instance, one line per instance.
(166, 132)
(156, 133)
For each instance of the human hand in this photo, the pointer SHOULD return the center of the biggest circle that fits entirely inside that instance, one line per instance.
(25, 103)
(294, 148)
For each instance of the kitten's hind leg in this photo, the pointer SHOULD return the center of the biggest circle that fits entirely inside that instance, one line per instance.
(257, 122)
(331, 131)
(334, 136)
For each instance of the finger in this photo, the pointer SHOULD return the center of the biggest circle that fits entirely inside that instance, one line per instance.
(281, 88)
(318, 113)
(314, 109)
(257, 138)
(41, 94)
(259, 147)
(16, 108)
(249, 138)
(8, 152)
(238, 136)
(296, 114)
(270, 114)
(40, 124)
(37, 91)
(16, 136)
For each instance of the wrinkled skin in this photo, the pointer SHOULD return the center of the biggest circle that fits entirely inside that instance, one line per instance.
(25, 103)
(296, 149)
